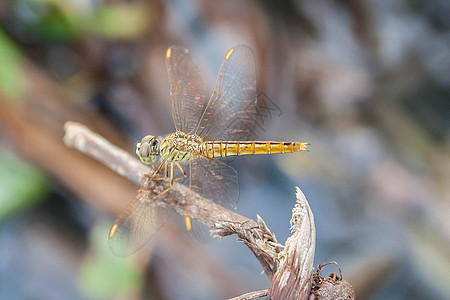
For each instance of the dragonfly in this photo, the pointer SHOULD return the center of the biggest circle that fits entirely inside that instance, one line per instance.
(207, 131)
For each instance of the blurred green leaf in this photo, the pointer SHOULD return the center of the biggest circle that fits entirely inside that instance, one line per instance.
(49, 19)
(69, 20)
(12, 79)
(104, 275)
(57, 26)
(21, 185)
(120, 21)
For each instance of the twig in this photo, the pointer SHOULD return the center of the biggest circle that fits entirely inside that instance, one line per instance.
(293, 277)
(251, 295)
(84, 140)
(290, 270)
(331, 287)
(321, 266)
(223, 222)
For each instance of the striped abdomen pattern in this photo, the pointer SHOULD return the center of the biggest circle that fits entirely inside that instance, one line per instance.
(213, 149)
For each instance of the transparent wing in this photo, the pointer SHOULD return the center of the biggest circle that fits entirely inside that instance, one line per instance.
(230, 113)
(214, 180)
(186, 89)
(137, 223)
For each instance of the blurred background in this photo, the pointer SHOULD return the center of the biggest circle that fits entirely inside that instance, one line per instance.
(365, 82)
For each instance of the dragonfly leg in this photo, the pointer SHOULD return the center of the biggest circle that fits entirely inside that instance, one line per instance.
(166, 172)
(156, 175)
(182, 171)
(169, 174)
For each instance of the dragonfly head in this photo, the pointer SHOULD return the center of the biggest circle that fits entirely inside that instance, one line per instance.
(148, 149)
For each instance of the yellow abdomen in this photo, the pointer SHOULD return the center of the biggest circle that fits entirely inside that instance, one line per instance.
(213, 149)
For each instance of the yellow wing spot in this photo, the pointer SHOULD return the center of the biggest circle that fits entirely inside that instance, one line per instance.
(112, 231)
(229, 53)
(188, 223)
(169, 52)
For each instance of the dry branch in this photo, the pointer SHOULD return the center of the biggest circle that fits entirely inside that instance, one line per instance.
(332, 287)
(292, 280)
(251, 295)
(223, 222)
(289, 267)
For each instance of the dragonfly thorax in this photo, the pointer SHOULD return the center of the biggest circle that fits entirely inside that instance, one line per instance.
(180, 147)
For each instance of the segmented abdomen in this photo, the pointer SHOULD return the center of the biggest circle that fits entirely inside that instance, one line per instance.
(232, 148)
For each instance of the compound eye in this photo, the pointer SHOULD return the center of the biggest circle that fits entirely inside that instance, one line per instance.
(147, 139)
(147, 149)
(144, 150)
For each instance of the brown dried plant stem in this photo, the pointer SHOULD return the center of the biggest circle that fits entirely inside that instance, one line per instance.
(289, 267)
(252, 295)
(223, 222)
